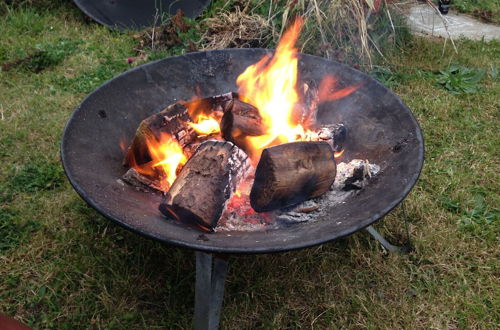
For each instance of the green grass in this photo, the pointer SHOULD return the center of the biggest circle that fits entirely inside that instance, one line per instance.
(62, 266)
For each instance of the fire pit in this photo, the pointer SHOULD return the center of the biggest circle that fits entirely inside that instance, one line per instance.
(382, 130)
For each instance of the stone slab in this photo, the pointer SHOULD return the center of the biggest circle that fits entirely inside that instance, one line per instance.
(424, 20)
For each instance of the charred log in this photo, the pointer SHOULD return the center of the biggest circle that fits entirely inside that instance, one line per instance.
(141, 182)
(334, 134)
(239, 121)
(171, 120)
(204, 185)
(291, 173)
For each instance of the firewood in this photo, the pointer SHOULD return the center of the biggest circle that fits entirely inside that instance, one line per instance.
(334, 134)
(173, 121)
(141, 182)
(239, 121)
(205, 183)
(291, 173)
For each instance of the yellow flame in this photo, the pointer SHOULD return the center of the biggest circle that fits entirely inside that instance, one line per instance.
(167, 156)
(270, 86)
(205, 125)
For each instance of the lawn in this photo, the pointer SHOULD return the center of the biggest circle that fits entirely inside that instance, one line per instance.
(63, 266)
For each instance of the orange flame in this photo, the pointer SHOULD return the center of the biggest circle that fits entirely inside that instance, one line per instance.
(204, 118)
(205, 125)
(327, 90)
(167, 156)
(270, 86)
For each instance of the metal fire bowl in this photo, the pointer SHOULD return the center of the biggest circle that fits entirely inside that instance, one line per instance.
(381, 129)
(137, 14)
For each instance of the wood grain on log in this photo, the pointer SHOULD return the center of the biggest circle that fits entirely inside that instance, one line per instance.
(291, 173)
(206, 182)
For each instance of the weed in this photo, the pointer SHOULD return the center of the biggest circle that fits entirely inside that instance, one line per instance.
(12, 231)
(458, 79)
(88, 81)
(480, 214)
(45, 56)
(388, 77)
(37, 176)
(493, 72)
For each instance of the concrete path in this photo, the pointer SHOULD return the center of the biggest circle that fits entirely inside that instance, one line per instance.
(424, 20)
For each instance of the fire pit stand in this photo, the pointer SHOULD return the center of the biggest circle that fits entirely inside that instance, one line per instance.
(211, 271)
(382, 131)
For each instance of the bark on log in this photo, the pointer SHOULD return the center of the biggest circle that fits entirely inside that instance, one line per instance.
(239, 121)
(291, 173)
(204, 185)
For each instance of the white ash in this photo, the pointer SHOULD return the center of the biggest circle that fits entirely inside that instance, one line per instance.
(354, 174)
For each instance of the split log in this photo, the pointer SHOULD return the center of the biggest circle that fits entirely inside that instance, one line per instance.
(239, 121)
(204, 185)
(291, 173)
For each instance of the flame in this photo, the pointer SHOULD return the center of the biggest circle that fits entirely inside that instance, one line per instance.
(167, 156)
(270, 86)
(205, 120)
(205, 125)
(338, 154)
(327, 90)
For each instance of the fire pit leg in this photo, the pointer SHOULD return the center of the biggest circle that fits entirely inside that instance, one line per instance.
(211, 273)
(388, 246)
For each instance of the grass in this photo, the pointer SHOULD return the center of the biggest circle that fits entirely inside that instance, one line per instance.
(62, 266)
(488, 10)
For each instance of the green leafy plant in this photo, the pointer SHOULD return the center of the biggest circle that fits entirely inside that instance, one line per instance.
(458, 79)
(388, 77)
(480, 214)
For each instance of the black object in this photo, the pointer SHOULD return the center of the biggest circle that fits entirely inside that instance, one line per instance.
(444, 6)
(137, 14)
(381, 129)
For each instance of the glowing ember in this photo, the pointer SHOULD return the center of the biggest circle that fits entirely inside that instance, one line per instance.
(338, 154)
(205, 125)
(167, 156)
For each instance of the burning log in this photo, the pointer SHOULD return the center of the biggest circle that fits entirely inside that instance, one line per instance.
(173, 120)
(291, 173)
(205, 183)
(239, 121)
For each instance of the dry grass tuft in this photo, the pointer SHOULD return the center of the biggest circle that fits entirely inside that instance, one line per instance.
(237, 29)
